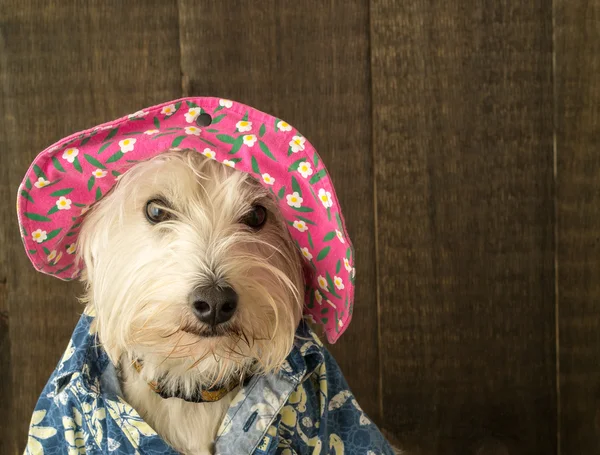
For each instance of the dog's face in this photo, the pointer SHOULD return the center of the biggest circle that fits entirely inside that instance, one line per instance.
(189, 263)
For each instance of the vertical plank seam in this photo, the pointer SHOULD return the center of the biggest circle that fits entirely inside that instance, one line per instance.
(184, 86)
(556, 231)
(375, 218)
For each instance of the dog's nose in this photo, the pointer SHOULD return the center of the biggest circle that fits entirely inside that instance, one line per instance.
(214, 305)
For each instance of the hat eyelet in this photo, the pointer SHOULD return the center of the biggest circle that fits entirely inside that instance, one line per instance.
(204, 119)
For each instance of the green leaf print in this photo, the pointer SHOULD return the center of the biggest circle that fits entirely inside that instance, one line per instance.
(59, 167)
(225, 138)
(255, 166)
(323, 253)
(52, 234)
(157, 123)
(316, 160)
(237, 145)
(54, 209)
(94, 162)
(348, 252)
(116, 157)
(262, 130)
(303, 209)
(265, 150)
(217, 119)
(217, 109)
(98, 193)
(177, 141)
(36, 217)
(32, 251)
(38, 172)
(329, 236)
(27, 196)
(104, 147)
(245, 117)
(318, 176)
(207, 142)
(211, 130)
(85, 141)
(310, 242)
(111, 134)
(76, 165)
(62, 192)
(296, 164)
(190, 104)
(329, 213)
(338, 266)
(91, 183)
(296, 186)
(115, 173)
(331, 286)
(46, 250)
(281, 192)
(27, 183)
(275, 125)
(77, 204)
(306, 220)
(339, 222)
(65, 268)
(324, 320)
(325, 310)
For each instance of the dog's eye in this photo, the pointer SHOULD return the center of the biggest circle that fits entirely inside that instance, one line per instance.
(256, 217)
(155, 211)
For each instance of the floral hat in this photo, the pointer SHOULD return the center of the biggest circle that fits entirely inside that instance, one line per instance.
(68, 177)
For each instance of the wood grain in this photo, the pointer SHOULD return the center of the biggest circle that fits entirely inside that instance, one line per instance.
(578, 204)
(67, 65)
(308, 64)
(462, 97)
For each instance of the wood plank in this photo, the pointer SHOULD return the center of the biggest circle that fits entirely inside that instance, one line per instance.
(309, 66)
(462, 96)
(67, 65)
(578, 207)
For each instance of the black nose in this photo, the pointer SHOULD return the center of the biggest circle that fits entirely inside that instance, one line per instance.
(214, 305)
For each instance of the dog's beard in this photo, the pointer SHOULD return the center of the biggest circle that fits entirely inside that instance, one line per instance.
(139, 276)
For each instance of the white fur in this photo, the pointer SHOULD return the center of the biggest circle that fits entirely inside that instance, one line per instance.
(138, 278)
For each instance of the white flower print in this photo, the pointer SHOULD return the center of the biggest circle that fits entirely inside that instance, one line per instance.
(305, 169)
(113, 445)
(339, 283)
(168, 110)
(297, 144)
(229, 163)
(63, 203)
(249, 140)
(129, 420)
(294, 200)
(192, 130)
(283, 126)
(99, 173)
(318, 295)
(306, 253)
(340, 323)
(151, 132)
(192, 114)
(325, 198)
(41, 182)
(71, 248)
(94, 414)
(322, 283)
(51, 256)
(209, 153)
(36, 432)
(58, 258)
(70, 154)
(300, 225)
(127, 145)
(268, 179)
(137, 114)
(340, 236)
(243, 126)
(347, 265)
(225, 103)
(39, 236)
(74, 435)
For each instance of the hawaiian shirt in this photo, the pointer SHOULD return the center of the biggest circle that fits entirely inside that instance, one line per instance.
(305, 408)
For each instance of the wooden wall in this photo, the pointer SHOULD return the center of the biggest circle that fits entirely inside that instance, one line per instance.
(462, 138)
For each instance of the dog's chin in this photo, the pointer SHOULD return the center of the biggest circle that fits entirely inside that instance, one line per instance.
(228, 331)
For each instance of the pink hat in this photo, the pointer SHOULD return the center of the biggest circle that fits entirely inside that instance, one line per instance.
(67, 178)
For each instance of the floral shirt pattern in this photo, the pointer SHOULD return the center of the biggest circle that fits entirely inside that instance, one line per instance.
(306, 408)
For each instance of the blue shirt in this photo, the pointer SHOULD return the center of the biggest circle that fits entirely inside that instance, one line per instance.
(305, 408)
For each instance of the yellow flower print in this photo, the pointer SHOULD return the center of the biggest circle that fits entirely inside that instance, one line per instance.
(94, 414)
(347, 265)
(336, 445)
(325, 198)
(99, 173)
(283, 126)
(70, 154)
(63, 203)
(168, 110)
(41, 182)
(288, 416)
(192, 114)
(306, 253)
(340, 236)
(209, 153)
(192, 130)
(74, 435)
(249, 140)
(58, 258)
(130, 421)
(151, 132)
(226, 103)
(300, 225)
(39, 236)
(297, 144)
(318, 295)
(268, 179)
(37, 432)
(71, 248)
(322, 282)
(243, 126)
(51, 256)
(305, 169)
(127, 145)
(294, 200)
(229, 163)
(339, 283)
